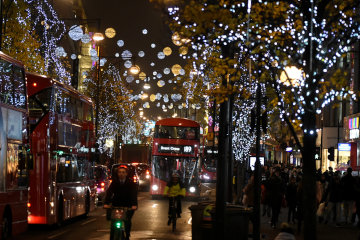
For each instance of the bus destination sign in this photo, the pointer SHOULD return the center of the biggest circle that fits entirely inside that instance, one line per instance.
(180, 149)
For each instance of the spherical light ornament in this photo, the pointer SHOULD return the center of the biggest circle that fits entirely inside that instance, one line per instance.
(117, 55)
(146, 105)
(183, 50)
(142, 75)
(176, 39)
(64, 54)
(154, 73)
(126, 54)
(141, 54)
(137, 81)
(158, 104)
(170, 81)
(182, 71)
(130, 78)
(170, 106)
(128, 64)
(102, 61)
(144, 31)
(59, 51)
(76, 32)
(110, 32)
(166, 98)
(161, 55)
(98, 37)
(73, 56)
(166, 70)
(161, 83)
(197, 106)
(152, 97)
(165, 110)
(93, 52)
(79, 56)
(152, 64)
(158, 96)
(176, 69)
(159, 75)
(135, 69)
(180, 106)
(153, 45)
(85, 38)
(167, 51)
(120, 43)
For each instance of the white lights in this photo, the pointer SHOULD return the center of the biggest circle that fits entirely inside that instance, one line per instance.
(155, 187)
(192, 189)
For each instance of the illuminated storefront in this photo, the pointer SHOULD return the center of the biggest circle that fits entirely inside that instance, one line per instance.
(349, 152)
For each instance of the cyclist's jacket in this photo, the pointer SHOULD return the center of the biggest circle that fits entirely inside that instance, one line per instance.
(173, 190)
(122, 194)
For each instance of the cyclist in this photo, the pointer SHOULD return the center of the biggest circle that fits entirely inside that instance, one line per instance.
(122, 193)
(174, 190)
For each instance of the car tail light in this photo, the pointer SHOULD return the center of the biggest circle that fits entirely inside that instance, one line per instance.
(147, 172)
(110, 181)
(135, 179)
(28, 204)
(102, 184)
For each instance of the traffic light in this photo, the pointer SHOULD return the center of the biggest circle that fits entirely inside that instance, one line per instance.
(331, 153)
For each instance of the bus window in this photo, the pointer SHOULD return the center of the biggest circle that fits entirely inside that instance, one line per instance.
(39, 105)
(172, 132)
(19, 87)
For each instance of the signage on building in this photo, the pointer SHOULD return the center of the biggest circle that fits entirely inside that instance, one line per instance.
(176, 149)
(344, 146)
(354, 133)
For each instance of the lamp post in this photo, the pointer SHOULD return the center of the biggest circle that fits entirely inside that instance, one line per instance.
(98, 37)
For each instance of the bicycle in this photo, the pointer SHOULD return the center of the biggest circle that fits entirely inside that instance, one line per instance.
(118, 218)
(173, 212)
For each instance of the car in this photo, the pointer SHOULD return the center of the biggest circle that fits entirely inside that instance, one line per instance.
(103, 181)
(143, 171)
(132, 173)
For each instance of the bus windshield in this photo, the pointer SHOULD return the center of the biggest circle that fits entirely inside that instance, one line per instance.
(175, 132)
(164, 166)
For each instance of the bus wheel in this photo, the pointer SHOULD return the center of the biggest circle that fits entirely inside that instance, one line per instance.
(87, 203)
(6, 226)
(60, 213)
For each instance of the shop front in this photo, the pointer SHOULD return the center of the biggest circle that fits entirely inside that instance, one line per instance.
(349, 155)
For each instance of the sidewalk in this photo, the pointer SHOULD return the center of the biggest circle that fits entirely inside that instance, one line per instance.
(325, 232)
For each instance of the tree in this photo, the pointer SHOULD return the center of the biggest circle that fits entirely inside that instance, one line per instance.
(252, 46)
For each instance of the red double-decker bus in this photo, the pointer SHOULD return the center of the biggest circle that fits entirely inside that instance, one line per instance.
(62, 182)
(13, 147)
(176, 148)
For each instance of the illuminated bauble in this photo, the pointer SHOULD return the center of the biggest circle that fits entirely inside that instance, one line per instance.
(166, 70)
(130, 78)
(152, 97)
(166, 98)
(137, 81)
(180, 106)
(165, 110)
(176, 97)
(167, 51)
(79, 56)
(126, 54)
(182, 71)
(146, 105)
(120, 43)
(102, 61)
(95, 58)
(176, 39)
(158, 96)
(153, 45)
(193, 106)
(76, 32)
(154, 73)
(142, 75)
(170, 106)
(85, 38)
(176, 69)
(144, 96)
(161, 55)
(59, 51)
(128, 64)
(144, 31)
(183, 50)
(73, 56)
(170, 81)
(158, 104)
(134, 69)
(141, 54)
(197, 106)
(152, 64)
(161, 83)
(117, 55)
(159, 75)
(110, 32)
(93, 52)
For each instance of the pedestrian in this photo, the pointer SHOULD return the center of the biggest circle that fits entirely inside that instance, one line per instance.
(357, 201)
(248, 199)
(334, 200)
(265, 196)
(299, 205)
(286, 233)
(276, 192)
(290, 195)
(347, 184)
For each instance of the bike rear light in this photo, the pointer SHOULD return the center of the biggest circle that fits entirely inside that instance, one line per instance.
(118, 224)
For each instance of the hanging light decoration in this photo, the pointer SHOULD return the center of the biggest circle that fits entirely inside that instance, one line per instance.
(76, 32)
(60, 52)
(117, 55)
(176, 39)
(98, 37)
(93, 52)
(110, 32)
(167, 51)
(158, 96)
(159, 75)
(85, 38)
(153, 45)
(128, 64)
(142, 75)
(126, 54)
(130, 78)
(166, 70)
(141, 53)
(152, 64)
(120, 43)
(152, 97)
(144, 31)
(161, 55)
(161, 83)
(176, 69)
(73, 56)
(103, 61)
(183, 50)
(135, 69)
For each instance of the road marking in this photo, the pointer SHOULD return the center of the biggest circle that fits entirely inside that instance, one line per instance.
(91, 220)
(56, 235)
(103, 230)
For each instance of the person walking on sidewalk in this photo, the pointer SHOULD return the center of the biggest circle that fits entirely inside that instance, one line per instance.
(276, 188)
(347, 184)
(290, 195)
(334, 200)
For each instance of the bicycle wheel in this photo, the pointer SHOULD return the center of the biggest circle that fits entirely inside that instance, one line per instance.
(119, 234)
(174, 223)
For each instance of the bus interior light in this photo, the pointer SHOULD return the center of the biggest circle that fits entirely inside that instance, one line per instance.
(28, 204)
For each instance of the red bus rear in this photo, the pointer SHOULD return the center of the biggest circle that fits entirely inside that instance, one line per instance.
(13, 147)
(62, 183)
(176, 148)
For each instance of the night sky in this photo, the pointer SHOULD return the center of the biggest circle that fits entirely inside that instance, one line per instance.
(129, 18)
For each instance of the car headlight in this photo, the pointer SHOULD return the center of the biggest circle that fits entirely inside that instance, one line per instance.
(192, 189)
(155, 187)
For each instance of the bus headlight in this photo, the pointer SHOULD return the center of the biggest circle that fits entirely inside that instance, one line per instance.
(192, 189)
(155, 187)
